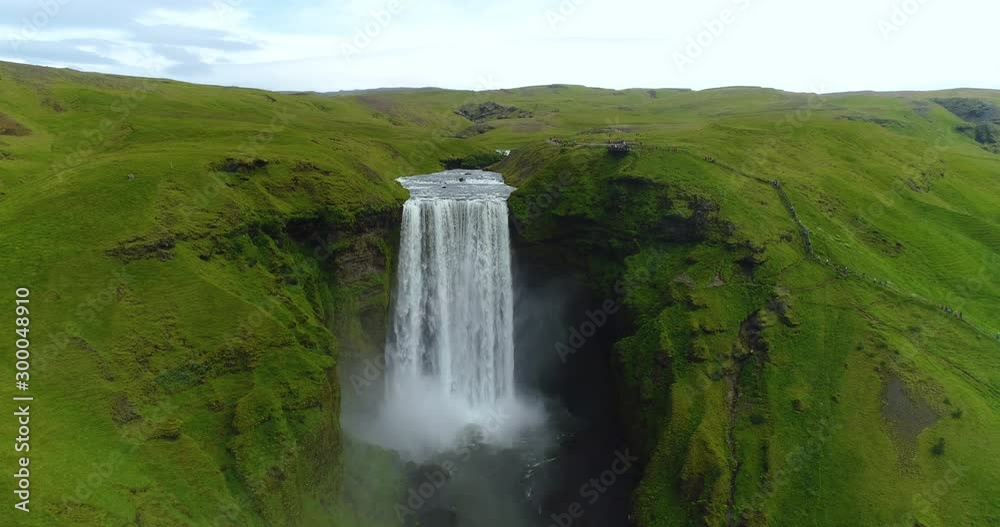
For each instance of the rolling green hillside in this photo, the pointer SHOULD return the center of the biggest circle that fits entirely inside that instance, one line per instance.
(812, 287)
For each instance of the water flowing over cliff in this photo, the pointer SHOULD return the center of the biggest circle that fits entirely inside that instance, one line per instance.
(453, 317)
(450, 347)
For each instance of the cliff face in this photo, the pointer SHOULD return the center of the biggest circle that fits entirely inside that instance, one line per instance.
(288, 443)
(641, 242)
(195, 283)
(742, 357)
(245, 402)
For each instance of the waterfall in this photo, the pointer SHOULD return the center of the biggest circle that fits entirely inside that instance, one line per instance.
(449, 352)
(452, 320)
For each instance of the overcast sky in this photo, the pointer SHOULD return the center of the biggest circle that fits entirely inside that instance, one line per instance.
(328, 45)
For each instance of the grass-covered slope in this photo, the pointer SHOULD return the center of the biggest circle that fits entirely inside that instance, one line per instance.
(200, 259)
(796, 272)
(197, 258)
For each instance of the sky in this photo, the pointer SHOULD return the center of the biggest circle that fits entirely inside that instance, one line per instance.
(329, 45)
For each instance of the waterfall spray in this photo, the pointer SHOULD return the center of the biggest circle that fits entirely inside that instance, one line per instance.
(453, 316)
(450, 348)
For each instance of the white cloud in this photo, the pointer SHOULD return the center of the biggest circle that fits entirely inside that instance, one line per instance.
(329, 44)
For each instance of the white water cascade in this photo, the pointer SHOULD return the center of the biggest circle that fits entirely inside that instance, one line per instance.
(450, 349)
(453, 318)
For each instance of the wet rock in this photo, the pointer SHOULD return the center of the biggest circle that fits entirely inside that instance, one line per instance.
(432, 472)
(435, 518)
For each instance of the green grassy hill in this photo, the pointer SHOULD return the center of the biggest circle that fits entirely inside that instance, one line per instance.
(811, 281)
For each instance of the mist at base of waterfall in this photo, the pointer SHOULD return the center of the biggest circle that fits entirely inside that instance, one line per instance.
(450, 347)
(419, 420)
(484, 423)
